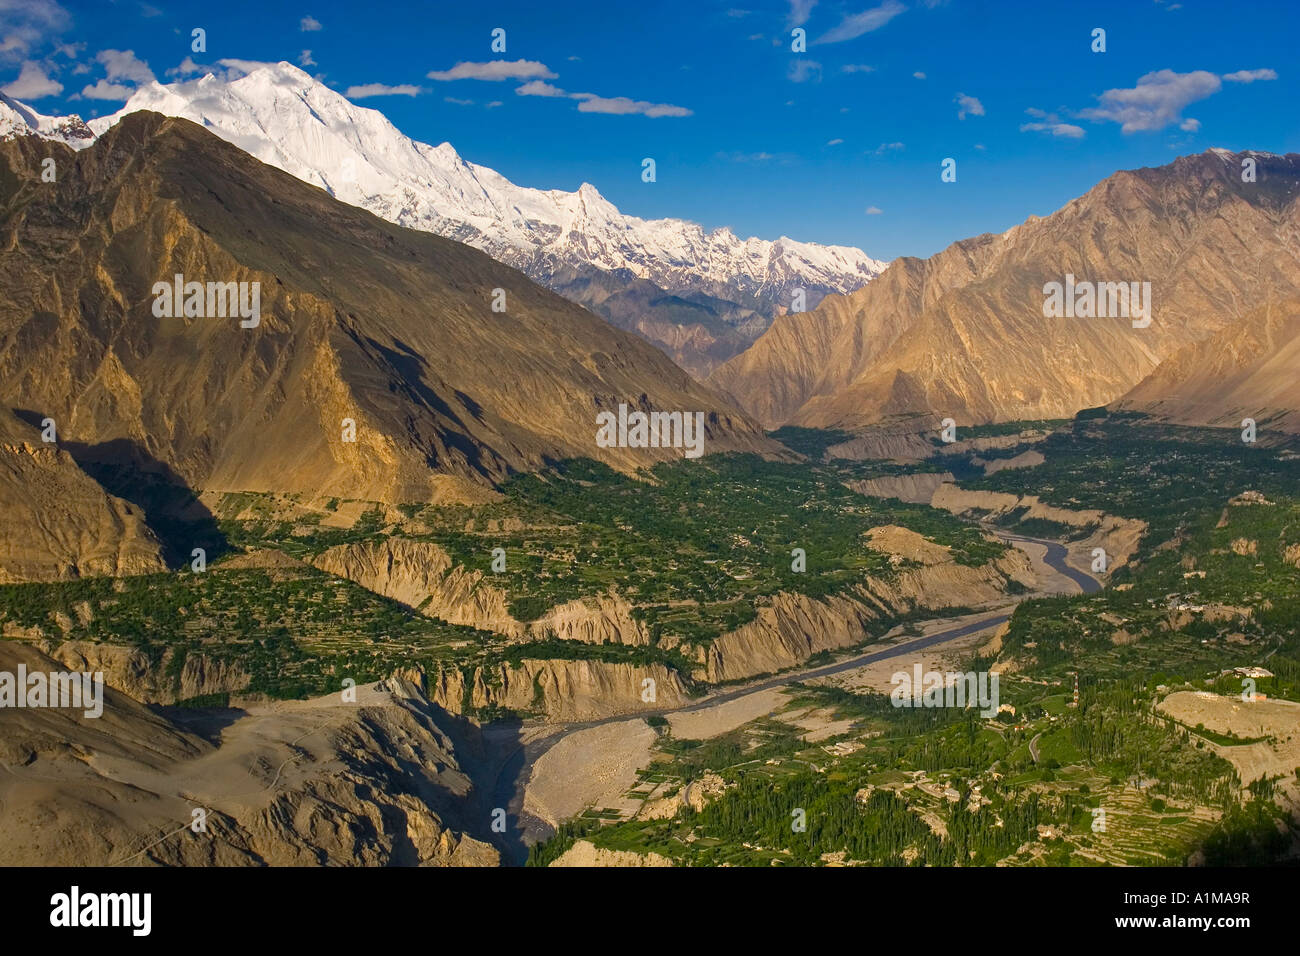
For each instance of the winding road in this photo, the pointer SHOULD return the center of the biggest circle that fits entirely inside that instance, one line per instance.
(515, 757)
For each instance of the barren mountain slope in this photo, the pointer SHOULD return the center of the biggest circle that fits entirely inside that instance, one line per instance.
(302, 783)
(1249, 370)
(360, 320)
(963, 334)
(56, 522)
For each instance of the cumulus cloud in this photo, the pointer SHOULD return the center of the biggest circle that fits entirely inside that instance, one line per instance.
(1051, 123)
(1250, 76)
(25, 23)
(124, 65)
(623, 106)
(188, 67)
(592, 103)
(874, 211)
(1157, 101)
(494, 70)
(968, 106)
(539, 88)
(855, 25)
(304, 59)
(104, 90)
(380, 89)
(33, 83)
(309, 24)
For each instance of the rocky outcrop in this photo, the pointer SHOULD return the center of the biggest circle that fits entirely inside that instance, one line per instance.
(916, 488)
(421, 575)
(134, 674)
(57, 523)
(584, 853)
(565, 689)
(788, 631)
(602, 619)
(305, 783)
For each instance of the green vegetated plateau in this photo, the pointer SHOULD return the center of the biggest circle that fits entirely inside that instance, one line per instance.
(693, 546)
(1214, 586)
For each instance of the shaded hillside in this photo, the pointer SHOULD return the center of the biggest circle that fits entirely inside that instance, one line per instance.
(360, 319)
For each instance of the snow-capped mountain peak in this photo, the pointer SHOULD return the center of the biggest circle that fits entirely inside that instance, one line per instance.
(285, 118)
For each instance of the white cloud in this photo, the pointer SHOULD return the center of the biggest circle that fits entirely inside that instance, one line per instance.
(1156, 102)
(458, 102)
(309, 24)
(856, 25)
(857, 68)
(1063, 130)
(801, 71)
(834, 142)
(539, 88)
(887, 148)
(25, 23)
(1051, 123)
(874, 211)
(32, 84)
(493, 104)
(304, 59)
(188, 68)
(1190, 125)
(919, 75)
(236, 68)
(591, 103)
(800, 10)
(124, 65)
(760, 157)
(104, 90)
(968, 106)
(1250, 76)
(495, 70)
(623, 106)
(380, 89)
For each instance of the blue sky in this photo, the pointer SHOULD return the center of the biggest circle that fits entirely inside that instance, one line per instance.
(841, 143)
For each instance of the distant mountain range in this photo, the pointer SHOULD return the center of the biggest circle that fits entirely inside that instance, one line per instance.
(701, 296)
(965, 334)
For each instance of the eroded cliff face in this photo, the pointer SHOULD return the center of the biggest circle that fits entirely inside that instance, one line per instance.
(794, 626)
(57, 523)
(131, 672)
(564, 689)
(916, 489)
(1118, 536)
(302, 783)
(421, 575)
